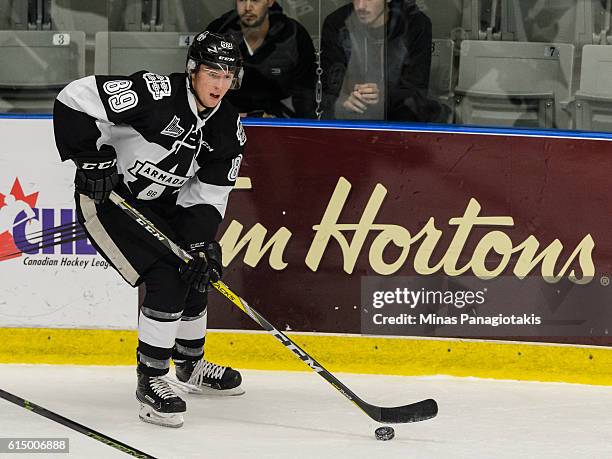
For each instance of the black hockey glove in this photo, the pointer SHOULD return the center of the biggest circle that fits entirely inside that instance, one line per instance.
(205, 267)
(96, 179)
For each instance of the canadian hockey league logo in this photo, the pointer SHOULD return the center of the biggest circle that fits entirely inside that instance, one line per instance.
(26, 228)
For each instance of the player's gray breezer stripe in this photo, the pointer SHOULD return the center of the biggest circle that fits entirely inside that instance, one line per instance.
(151, 314)
(185, 318)
(102, 238)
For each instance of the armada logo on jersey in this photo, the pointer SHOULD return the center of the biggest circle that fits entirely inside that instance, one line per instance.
(157, 175)
(158, 85)
(173, 129)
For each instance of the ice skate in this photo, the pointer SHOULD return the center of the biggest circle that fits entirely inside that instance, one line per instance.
(206, 378)
(158, 402)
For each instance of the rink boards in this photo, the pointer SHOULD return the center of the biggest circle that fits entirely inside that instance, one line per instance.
(338, 353)
(325, 217)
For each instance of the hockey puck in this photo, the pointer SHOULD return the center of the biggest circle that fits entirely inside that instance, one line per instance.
(384, 433)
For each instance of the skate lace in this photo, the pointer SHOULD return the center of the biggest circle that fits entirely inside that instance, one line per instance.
(161, 388)
(205, 369)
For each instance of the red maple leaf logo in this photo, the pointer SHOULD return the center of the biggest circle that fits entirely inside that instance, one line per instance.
(8, 249)
(17, 192)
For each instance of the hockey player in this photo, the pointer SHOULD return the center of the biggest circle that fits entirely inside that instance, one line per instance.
(172, 147)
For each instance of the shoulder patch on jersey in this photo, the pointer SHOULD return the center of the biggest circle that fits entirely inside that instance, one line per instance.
(233, 173)
(158, 85)
(174, 129)
(240, 134)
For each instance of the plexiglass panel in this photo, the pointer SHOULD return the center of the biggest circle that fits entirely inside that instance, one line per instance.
(513, 63)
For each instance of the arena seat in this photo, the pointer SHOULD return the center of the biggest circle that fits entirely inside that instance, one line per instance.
(515, 84)
(441, 75)
(90, 16)
(123, 53)
(13, 15)
(36, 65)
(192, 15)
(548, 21)
(599, 11)
(594, 98)
(449, 16)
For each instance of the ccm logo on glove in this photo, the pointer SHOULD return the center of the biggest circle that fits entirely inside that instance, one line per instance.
(105, 165)
(96, 180)
(205, 267)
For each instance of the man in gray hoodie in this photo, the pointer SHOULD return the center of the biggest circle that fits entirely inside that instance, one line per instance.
(376, 59)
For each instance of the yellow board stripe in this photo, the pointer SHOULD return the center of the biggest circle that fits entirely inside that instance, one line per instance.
(338, 353)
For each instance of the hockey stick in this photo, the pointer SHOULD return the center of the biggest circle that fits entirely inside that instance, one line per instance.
(74, 425)
(419, 411)
(76, 236)
(48, 237)
(65, 227)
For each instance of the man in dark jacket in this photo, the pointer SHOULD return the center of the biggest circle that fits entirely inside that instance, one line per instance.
(279, 60)
(376, 59)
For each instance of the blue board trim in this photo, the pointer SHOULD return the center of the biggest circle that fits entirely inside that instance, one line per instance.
(389, 126)
(425, 127)
(25, 116)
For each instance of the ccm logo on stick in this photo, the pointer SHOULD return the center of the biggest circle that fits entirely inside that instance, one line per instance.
(150, 230)
(297, 351)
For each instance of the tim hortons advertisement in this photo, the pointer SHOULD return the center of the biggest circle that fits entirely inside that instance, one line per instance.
(426, 234)
(375, 232)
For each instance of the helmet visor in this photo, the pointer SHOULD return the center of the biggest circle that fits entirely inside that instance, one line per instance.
(216, 67)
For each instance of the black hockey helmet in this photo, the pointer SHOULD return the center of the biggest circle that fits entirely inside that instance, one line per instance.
(216, 51)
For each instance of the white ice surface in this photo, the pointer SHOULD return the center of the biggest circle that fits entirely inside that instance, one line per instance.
(299, 415)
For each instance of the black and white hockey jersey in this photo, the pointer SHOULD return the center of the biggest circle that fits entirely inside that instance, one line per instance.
(164, 149)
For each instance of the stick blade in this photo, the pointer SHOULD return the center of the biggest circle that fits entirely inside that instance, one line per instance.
(415, 412)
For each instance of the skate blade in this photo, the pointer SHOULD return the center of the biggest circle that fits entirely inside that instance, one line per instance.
(204, 390)
(148, 414)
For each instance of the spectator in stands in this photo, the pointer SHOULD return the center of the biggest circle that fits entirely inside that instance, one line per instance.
(376, 59)
(279, 60)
